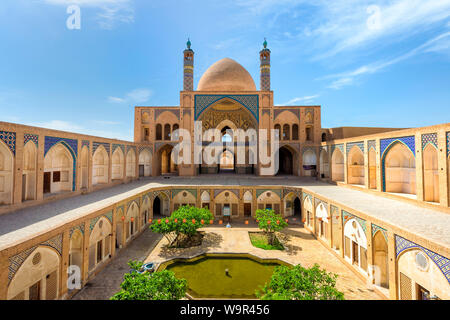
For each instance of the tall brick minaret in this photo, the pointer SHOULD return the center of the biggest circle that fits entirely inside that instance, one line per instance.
(188, 63)
(264, 56)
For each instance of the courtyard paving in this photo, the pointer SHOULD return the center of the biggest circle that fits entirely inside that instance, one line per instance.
(301, 248)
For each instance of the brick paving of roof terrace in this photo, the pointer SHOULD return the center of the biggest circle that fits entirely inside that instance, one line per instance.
(21, 225)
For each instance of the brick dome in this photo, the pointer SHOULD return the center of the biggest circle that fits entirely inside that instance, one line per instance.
(226, 75)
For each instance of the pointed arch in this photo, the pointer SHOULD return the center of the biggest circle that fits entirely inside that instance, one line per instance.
(29, 174)
(6, 174)
(131, 163)
(337, 165)
(430, 173)
(118, 164)
(38, 277)
(59, 168)
(324, 164)
(355, 160)
(145, 163)
(355, 244)
(380, 259)
(76, 249)
(100, 166)
(309, 162)
(399, 169)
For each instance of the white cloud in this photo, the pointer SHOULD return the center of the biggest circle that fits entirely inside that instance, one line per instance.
(110, 11)
(136, 96)
(305, 99)
(440, 44)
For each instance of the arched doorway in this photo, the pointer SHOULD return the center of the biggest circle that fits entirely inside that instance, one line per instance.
(285, 162)
(76, 251)
(430, 174)
(100, 243)
(337, 166)
(309, 163)
(297, 208)
(117, 164)
(145, 163)
(29, 171)
(380, 260)
(100, 166)
(355, 244)
(58, 169)
(166, 164)
(355, 166)
(157, 207)
(131, 164)
(226, 162)
(324, 166)
(399, 165)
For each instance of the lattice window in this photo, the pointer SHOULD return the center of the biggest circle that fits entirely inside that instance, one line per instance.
(405, 287)
(51, 286)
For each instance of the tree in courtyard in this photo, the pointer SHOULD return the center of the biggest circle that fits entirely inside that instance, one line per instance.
(298, 283)
(270, 222)
(186, 220)
(161, 285)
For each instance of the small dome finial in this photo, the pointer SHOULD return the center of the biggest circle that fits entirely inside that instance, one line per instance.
(188, 43)
(265, 43)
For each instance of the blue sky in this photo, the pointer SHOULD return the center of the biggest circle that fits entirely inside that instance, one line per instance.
(367, 63)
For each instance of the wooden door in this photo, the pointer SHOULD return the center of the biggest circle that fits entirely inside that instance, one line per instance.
(47, 181)
(247, 209)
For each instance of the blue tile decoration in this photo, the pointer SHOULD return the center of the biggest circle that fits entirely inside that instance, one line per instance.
(295, 111)
(9, 138)
(360, 145)
(31, 137)
(142, 148)
(131, 147)
(318, 201)
(93, 222)
(157, 193)
(261, 191)
(386, 144)
(191, 191)
(448, 144)
(16, 261)
(304, 149)
(71, 145)
(346, 216)
(376, 228)
(131, 202)
(334, 212)
(402, 244)
(79, 227)
(339, 146)
(95, 145)
(295, 191)
(249, 101)
(372, 144)
(115, 146)
(85, 143)
(306, 195)
(429, 138)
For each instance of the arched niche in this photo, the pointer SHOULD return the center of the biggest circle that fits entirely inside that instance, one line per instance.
(309, 163)
(165, 164)
(131, 164)
(120, 218)
(58, 169)
(322, 220)
(145, 163)
(161, 205)
(430, 173)
(118, 163)
(184, 198)
(337, 166)
(145, 211)
(100, 166)
(29, 171)
(205, 199)
(269, 200)
(308, 211)
(6, 174)
(131, 220)
(100, 243)
(380, 260)
(76, 250)
(400, 169)
(289, 209)
(226, 199)
(38, 277)
(355, 244)
(324, 165)
(355, 160)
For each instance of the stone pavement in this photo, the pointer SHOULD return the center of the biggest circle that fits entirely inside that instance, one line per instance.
(301, 248)
(107, 282)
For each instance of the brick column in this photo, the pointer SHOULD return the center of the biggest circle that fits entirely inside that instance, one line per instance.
(345, 164)
(85, 253)
(443, 169)
(366, 164)
(64, 263)
(419, 167)
(113, 233)
(18, 169)
(379, 166)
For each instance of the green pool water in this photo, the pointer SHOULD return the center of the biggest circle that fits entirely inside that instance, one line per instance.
(206, 275)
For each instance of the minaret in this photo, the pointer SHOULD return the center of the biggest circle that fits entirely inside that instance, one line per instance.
(264, 56)
(188, 63)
